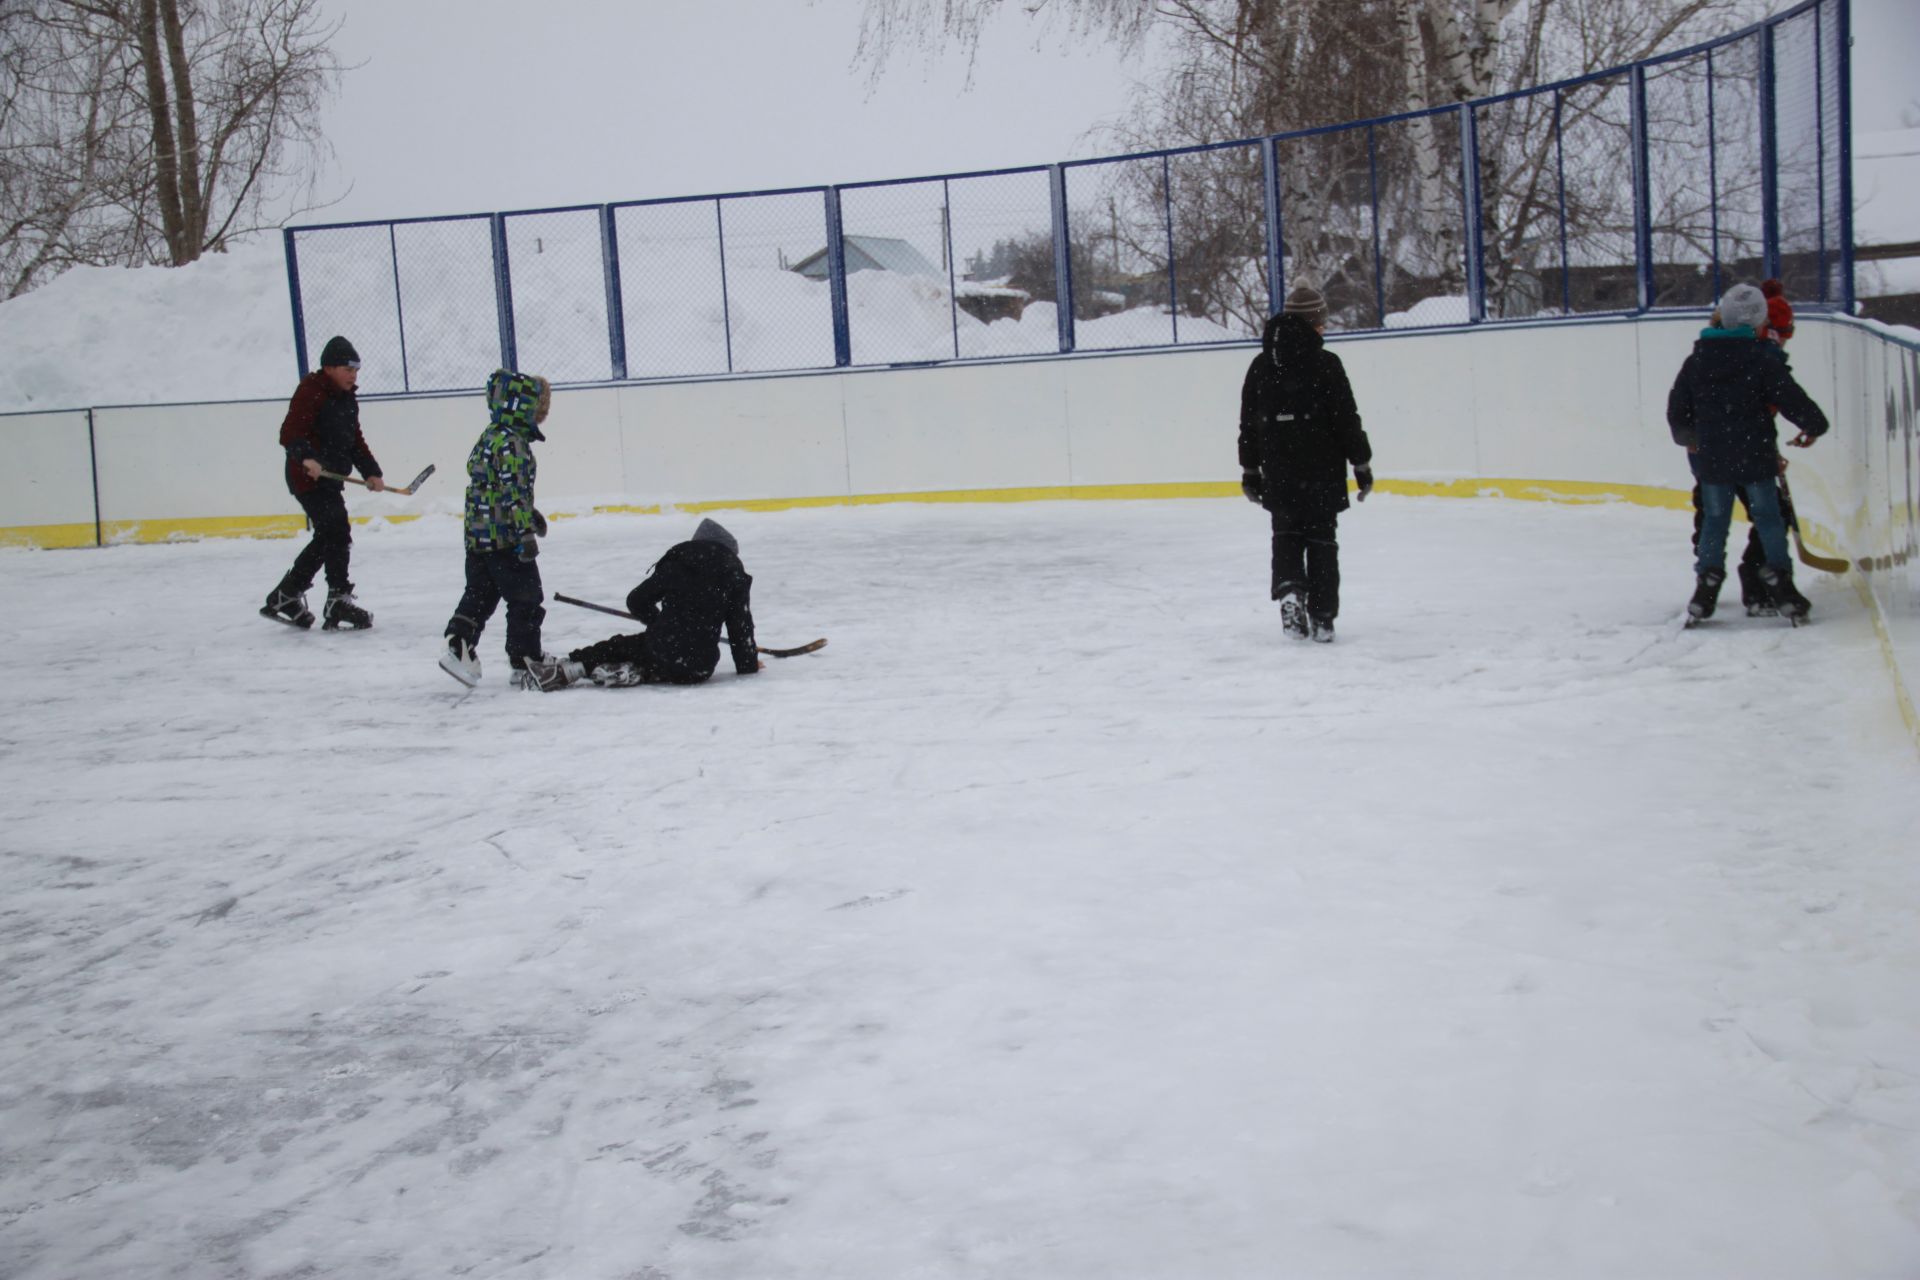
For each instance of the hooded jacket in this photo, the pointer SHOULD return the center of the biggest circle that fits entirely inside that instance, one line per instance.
(501, 468)
(1719, 407)
(1299, 427)
(690, 593)
(323, 422)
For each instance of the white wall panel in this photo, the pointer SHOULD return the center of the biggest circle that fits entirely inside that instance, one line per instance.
(48, 478)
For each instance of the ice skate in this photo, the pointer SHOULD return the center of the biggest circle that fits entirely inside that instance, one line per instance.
(1706, 595)
(460, 661)
(616, 675)
(287, 606)
(546, 673)
(341, 611)
(1293, 615)
(1793, 606)
(1323, 630)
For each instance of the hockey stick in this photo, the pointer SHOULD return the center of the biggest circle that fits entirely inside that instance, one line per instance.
(1825, 564)
(622, 613)
(407, 492)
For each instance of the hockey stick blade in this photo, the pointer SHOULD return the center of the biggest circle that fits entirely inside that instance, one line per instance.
(764, 652)
(810, 647)
(1824, 564)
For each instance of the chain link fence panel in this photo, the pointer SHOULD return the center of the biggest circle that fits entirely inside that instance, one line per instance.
(673, 295)
(558, 275)
(1423, 221)
(1219, 211)
(1327, 222)
(347, 287)
(450, 320)
(779, 305)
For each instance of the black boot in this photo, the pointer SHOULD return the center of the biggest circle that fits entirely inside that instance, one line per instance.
(1792, 605)
(1706, 594)
(341, 611)
(1293, 613)
(288, 603)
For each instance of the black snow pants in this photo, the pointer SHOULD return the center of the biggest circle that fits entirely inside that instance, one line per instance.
(1306, 559)
(331, 545)
(633, 649)
(493, 576)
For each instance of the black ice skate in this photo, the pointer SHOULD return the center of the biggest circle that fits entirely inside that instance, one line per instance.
(1323, 630)
(616, 675)
(287, 606)
(1706, 596)
(341, 611)
(546, 673)
(1793, 606)
(1754, 594)
(1293, 615)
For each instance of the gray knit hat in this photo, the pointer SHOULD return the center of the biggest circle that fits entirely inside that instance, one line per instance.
(1307, 303)
(712, 531)
(1743, 306)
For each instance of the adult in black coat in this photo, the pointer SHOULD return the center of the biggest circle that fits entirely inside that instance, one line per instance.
(1299, 429)
(1720, 411)
(691, 592)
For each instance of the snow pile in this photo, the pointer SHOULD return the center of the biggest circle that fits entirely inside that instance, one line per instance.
(220, 329)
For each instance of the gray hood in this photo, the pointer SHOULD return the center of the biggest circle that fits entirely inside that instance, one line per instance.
(712, 531)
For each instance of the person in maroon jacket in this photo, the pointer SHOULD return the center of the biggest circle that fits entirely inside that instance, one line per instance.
(321, 434)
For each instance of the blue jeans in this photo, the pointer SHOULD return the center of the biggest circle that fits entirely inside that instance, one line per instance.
(1716, 516)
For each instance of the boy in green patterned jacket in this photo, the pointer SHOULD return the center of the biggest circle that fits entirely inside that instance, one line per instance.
(503, 538)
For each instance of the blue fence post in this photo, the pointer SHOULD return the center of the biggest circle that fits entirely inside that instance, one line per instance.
(837, 282)
(1062, 256)
(1373, 195)
(953, 274)
(1276, 247)
(503, 293)
(1713, 176)
(1769, 162)
(726, 302)
(1642, 188)
(1173, 280)
(1471, 214)
(1844, 127)
(399, 308)
(616, 307)
(299, 311)
(1560, 185)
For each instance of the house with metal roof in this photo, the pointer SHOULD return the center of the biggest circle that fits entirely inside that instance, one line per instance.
(872, 253)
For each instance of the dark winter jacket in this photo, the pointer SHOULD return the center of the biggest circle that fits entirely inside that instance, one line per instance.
(323, 421)
(691, 592)
(1299, 427)
(501, 468)
(1719, 407)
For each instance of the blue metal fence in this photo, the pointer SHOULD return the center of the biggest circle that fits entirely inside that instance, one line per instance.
(1642, 187)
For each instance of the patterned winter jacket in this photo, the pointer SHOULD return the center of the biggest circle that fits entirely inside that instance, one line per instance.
(500, 470)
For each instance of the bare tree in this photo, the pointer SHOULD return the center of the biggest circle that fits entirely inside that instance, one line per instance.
(153, 131)
(1250, 68)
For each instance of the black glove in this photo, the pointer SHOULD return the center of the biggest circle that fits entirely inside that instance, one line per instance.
(1363, 476)
(1250, 485)
(529, 548)
(539, 523)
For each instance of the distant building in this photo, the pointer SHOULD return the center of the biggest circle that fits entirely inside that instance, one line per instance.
(872, 253)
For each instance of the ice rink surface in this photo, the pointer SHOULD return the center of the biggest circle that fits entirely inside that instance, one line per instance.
(1061, 920)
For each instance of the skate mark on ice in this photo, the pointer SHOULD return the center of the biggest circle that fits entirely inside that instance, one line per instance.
(871, 900)
(218, 911)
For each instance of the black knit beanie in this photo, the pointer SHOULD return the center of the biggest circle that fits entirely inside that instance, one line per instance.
(338, 351)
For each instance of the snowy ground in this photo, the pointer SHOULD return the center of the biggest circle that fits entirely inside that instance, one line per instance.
(1060, 920)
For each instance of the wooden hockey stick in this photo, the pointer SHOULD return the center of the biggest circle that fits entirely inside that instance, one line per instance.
(407, 492)
(1825, 564)
(622, 613)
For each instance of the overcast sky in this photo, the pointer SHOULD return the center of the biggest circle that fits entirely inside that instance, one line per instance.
(514, 106)
(588, 101)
